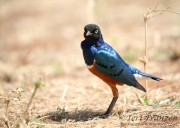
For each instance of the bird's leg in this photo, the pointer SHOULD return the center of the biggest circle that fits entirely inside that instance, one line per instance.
(111, 106)
(113, 102)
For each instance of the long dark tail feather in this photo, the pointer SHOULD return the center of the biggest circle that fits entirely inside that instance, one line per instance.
(140, 87)
(151, 76)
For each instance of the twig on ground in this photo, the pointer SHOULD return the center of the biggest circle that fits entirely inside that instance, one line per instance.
(37, 84)
(8, 99)
(6, 113)
(62, 98)
(137, 95)
(151, 13)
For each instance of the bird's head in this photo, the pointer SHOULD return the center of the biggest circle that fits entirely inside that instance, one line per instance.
(92, 31)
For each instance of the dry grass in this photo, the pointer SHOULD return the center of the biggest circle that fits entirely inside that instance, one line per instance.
(34, 44)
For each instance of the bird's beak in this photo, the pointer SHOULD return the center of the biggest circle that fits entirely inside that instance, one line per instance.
(88, 33)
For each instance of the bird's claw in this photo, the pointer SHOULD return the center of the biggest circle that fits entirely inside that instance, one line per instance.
(102, 116)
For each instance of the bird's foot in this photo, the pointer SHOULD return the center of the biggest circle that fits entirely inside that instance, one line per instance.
(105, 115)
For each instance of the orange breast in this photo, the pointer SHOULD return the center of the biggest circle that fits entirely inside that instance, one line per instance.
(103, 76)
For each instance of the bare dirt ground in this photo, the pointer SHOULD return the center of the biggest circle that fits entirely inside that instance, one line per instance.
(41, 39)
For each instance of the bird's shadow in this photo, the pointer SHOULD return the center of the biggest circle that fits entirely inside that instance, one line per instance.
(81, 115)
(76, 115)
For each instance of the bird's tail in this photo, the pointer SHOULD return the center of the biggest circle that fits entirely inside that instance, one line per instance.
(145, 75)
(140, 87)
(150, 76)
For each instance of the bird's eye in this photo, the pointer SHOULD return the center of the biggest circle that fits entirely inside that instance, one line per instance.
(96, 31)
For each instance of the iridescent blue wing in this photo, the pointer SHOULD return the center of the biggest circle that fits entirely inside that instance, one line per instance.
(110, 63)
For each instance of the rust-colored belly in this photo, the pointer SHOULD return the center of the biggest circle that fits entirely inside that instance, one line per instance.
(103, 76)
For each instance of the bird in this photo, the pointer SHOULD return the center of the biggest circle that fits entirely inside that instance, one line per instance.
(104, 62)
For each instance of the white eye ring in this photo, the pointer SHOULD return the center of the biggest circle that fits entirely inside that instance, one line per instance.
(96, 31)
